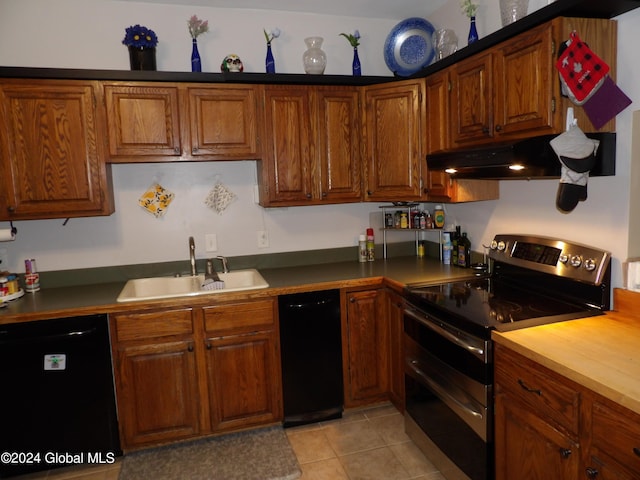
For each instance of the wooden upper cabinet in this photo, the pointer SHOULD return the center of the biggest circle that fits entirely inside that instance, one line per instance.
(312, 146)
(143, 122)
(472, 100)
(394, 123)
(338, 144)
(151, 122)
(223, 122)
(285, 169)
(438, 128)
(524, 81)
(51, 159)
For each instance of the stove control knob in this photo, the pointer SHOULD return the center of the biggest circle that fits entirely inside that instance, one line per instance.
(590, 264)
(501, 246)
(576, 260)
(564, 258)
(493, 245)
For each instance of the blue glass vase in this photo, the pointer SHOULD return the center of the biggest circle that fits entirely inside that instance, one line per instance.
(473, 32)
(270, 63)
(355, 66)
(196, 66)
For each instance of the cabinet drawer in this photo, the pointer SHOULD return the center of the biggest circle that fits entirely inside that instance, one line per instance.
(617, 434)
(538, 387)
(136, 326)
(240, 316)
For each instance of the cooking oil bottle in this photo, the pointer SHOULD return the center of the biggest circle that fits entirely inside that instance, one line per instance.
(464, 251)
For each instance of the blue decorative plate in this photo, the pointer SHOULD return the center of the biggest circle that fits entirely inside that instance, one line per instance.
(409, 46)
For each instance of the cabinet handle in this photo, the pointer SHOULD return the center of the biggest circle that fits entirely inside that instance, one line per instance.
(324, 194)
(529, 389)
(176, 150)
(636, 450)
(565, 452)
(190, 348)
(194, 150)
(591, 472)
(11, 209)
(498, 128)
(308, 195)
(352, 300)
(485, 130)
(369, 192)
(209, 346)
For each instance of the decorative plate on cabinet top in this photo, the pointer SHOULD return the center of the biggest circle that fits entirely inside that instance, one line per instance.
(409, 46)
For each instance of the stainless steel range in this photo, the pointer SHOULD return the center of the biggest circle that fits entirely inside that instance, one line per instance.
(447, 338)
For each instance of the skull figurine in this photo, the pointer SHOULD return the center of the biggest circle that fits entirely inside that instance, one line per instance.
(231, 63)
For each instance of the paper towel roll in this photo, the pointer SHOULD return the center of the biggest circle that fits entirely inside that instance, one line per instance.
(7, 235)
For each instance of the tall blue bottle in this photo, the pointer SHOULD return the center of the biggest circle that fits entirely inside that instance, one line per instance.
(270, 63)
(196, 66)
(355, 66)
(473, 32)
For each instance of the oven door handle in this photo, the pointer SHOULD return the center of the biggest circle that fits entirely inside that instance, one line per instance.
(442, 391)
(445, 333)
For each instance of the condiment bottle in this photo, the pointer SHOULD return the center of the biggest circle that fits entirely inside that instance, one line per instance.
(371, 253)
(404, 223)
(438, 216)
(455, 238)
(362, 248)
(464, 251)
(446, 248)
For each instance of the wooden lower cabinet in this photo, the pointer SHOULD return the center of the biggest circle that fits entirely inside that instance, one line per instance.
(156, 376)
(366, 349)
(396, 350)
(548, 427)
(186, 372)
(243, 365)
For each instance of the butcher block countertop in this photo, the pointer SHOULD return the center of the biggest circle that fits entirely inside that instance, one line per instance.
(600, 353)
(101, 298)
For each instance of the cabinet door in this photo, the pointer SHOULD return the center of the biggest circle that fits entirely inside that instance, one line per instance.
(368, 351)
(338, 145)
(528, 447)
(157, 392)
(524, 83)
(396, 350)
(472, 100)
(285, 168)
(223, 122)
(394, 130)
(438, 93)
(143, 122)
(52, 162)
(244, 386)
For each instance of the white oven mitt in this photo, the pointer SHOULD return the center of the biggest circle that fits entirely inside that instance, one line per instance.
(577, 154)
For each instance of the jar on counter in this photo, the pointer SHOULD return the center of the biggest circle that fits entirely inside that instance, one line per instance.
(438, 216)
(404, 222)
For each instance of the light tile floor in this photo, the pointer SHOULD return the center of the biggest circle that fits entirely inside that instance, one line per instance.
(366, 444)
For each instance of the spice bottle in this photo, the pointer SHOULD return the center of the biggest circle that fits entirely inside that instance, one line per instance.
(438, 216)
(371, 253)
(362, 248)
(464, 251)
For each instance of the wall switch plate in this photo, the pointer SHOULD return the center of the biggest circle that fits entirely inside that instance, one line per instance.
(211, 242)
(4, 259)
(263, 239)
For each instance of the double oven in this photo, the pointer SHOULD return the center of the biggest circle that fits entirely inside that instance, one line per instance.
(448, 365)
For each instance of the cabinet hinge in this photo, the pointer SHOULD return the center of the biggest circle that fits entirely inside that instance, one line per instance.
(553, 49)
(553, 105)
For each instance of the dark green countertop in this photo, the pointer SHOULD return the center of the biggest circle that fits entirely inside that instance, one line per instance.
(101, 298)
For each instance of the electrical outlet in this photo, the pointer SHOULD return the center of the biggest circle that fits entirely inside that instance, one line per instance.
(263, 239)
(211, 242)
(4, 259)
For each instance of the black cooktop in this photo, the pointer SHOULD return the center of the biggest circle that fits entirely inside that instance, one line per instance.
(480, 305)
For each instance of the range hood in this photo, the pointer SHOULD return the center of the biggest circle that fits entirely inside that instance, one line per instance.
(525, 159)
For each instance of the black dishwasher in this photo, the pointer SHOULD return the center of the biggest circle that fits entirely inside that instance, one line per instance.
(311, 349)
(57, 405)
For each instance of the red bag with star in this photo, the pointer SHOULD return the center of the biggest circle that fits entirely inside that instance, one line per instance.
(582, 72)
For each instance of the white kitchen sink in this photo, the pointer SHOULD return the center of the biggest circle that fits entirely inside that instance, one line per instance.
(155, 288)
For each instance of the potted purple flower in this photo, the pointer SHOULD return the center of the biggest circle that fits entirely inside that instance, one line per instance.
(141, 43)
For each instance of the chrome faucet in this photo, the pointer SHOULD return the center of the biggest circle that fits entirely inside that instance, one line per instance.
(192, 256)
(225, 265)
